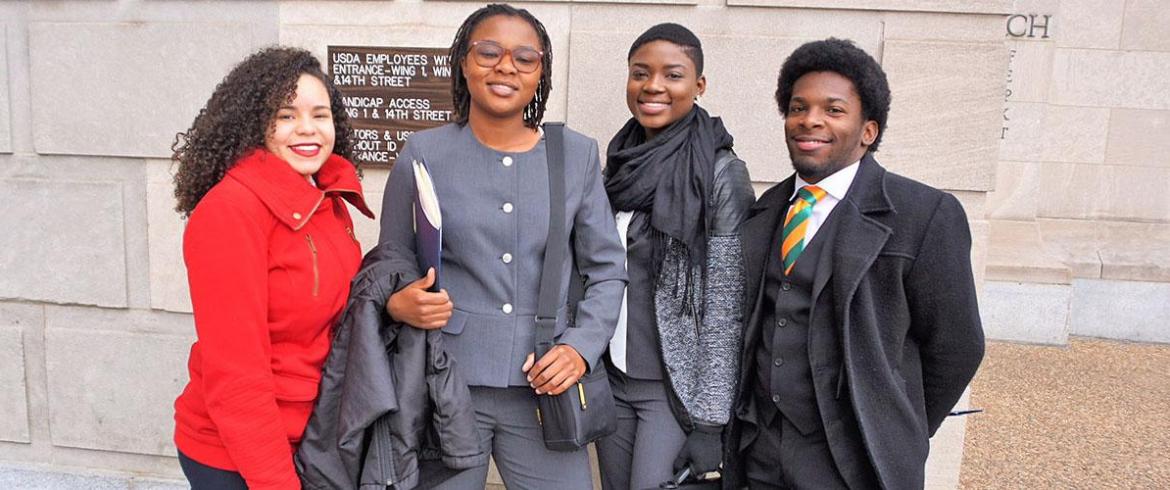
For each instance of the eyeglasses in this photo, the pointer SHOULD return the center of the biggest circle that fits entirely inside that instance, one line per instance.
(489, 53)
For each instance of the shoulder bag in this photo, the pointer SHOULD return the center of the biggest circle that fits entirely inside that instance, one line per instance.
(585, 412)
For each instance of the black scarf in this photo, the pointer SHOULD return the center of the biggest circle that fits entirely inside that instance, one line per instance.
(671, 177)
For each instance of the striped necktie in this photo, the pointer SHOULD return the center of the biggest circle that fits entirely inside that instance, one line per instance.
(796, 224)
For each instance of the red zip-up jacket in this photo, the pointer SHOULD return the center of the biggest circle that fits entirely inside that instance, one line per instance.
(269, 260)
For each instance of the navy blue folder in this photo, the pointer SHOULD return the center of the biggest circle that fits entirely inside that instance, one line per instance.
(428, 224)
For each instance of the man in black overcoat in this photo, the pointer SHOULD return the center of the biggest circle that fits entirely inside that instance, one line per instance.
(863, 328)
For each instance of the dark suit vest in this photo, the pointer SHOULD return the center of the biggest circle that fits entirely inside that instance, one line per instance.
(782, 362)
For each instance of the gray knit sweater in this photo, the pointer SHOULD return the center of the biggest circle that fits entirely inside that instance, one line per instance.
(700, 346)
(700, 352)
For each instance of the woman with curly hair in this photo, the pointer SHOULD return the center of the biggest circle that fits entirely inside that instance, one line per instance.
(263, 178)
(490, 172)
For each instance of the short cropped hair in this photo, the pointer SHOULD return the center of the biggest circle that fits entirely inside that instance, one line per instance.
(844, 58)
(675, 34)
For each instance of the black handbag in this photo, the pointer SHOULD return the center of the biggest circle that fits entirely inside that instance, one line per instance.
(585, 412)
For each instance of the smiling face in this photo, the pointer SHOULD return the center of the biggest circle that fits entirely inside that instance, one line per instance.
(501, 91)
(825, 127)
(662, 85)
(302, 131)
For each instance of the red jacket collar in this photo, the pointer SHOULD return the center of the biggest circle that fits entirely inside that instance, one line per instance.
(288, 195)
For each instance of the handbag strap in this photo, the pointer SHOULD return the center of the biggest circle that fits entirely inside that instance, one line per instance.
(554, 247)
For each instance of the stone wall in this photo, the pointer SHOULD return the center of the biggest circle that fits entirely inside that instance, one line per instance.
(94, 338)
(1087, 117)
(1080, 214)
(94, 312)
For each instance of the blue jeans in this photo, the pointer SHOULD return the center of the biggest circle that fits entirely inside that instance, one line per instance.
(203, 477)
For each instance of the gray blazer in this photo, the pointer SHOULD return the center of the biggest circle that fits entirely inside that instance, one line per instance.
(495, 211)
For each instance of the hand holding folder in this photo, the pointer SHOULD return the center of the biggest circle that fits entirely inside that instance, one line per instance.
(428, 224)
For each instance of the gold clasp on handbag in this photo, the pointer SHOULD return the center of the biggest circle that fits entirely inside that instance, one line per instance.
(581, 393)
(538, 419)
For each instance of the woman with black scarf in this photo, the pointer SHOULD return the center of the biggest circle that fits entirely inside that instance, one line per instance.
(680, 194)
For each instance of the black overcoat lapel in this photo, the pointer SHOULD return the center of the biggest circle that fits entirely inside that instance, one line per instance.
(863, 229)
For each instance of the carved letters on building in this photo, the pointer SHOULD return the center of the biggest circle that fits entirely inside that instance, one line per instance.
(1020, 27)
(1007, 96)
(1028, 25)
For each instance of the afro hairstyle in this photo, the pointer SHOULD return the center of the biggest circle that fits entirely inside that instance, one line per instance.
(844, 58)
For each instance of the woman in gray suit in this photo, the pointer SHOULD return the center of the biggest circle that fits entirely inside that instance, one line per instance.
(681, 194)
(489, 170)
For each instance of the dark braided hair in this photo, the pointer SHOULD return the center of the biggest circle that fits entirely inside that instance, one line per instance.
(534, 111)
(238, 118)
(842, 57)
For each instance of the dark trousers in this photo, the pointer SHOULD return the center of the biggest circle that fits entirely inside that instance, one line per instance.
(783, 458)
(203, 477)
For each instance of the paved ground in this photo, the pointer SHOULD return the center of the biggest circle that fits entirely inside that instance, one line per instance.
(1094, 414)
(35, 477)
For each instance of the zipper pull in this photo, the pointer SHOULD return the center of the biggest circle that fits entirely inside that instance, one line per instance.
(538, 419)
(581, 394)
(316, 269)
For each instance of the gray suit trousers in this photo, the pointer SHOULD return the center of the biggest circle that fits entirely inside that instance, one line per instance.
(640, 455)
(506, 419)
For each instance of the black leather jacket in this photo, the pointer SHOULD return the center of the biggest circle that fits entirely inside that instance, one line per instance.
(389, 395)
(714, 362)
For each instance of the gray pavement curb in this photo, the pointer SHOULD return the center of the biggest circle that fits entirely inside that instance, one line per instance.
(36, 477)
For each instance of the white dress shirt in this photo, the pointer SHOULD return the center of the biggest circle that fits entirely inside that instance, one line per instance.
(617, 343)
(835, 187)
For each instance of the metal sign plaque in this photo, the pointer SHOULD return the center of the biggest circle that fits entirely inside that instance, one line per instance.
(389, 93)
